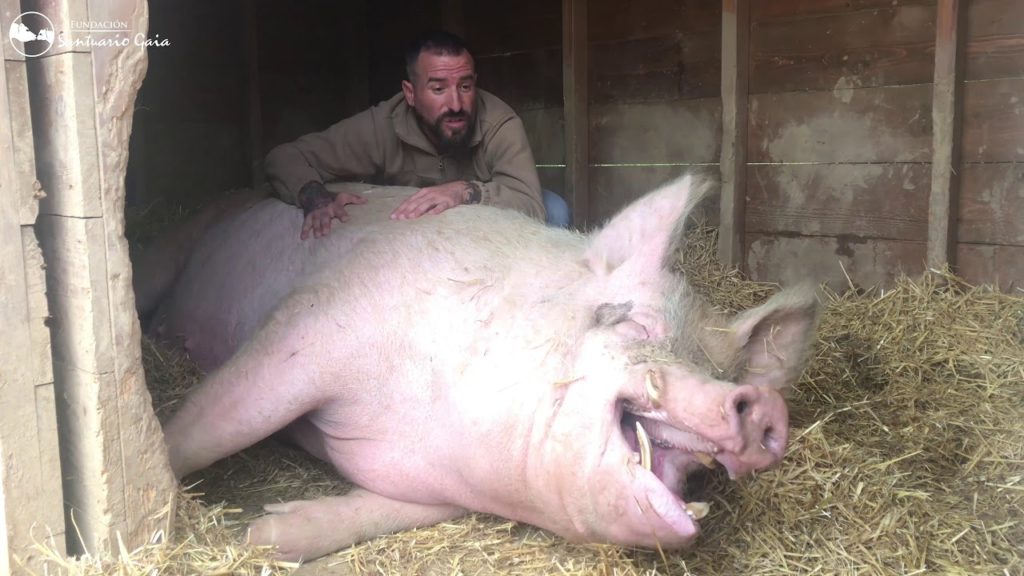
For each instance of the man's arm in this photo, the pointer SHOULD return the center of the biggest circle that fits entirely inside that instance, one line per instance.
(345, 150)
(514, 182)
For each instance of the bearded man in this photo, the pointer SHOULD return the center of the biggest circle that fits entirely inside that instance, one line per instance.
(457, 143)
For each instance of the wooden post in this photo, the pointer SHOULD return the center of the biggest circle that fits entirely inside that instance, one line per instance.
(116, 474)
(947, 103)
(735, 35)
(31, 504)
(577, 116)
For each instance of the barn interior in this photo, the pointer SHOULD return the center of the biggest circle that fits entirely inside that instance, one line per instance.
(863, 145)
(833, 140)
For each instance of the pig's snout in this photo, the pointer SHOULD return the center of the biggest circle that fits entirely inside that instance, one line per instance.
(759, 427)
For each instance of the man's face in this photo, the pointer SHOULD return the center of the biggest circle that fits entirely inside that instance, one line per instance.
(443, 94)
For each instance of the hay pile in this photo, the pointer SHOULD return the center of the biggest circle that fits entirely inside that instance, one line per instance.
(907, 456)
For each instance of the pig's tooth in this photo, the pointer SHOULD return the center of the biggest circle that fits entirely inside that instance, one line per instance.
(653, 387)
(706, 459)
(645, 446)
(697, 510)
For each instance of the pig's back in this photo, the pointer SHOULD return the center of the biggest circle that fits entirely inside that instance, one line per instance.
(245, 264)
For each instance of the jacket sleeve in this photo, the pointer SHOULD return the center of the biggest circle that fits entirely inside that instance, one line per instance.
(348, 149)
(514, 182)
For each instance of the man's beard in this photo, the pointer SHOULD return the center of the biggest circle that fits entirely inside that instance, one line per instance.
(436, 132)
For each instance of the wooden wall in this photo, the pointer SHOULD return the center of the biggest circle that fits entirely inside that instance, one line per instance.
(840, 144)
(834, 152)
(991, 208)
(654, 92)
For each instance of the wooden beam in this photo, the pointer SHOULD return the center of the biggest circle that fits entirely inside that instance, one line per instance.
(31, 504)
(947, 104)
(116, 474)
(735, 36)
(577, 115)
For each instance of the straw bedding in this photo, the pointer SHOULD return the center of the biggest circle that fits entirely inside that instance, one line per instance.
(906, 456)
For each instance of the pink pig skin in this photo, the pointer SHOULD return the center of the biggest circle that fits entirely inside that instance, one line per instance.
(458, 363)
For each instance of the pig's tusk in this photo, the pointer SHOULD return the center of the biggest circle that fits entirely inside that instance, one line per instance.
(645, 446)
(697, 510)
(706, 459)
(653, 384)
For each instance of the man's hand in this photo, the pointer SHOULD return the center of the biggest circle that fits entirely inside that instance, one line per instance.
(321, 207)
(433, 200)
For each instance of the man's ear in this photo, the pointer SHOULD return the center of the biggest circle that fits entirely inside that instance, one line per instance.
(410, 94)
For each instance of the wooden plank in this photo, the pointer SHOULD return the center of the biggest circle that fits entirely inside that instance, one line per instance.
(494, 27)
(118, 477)
(613, 187)
(667, 67)
(682, 131)
(880, 47)
(787, 9)
(552, 178)
(992, 204)
(864, 200)
(30, 497)
(38, 308)
(733, 160)
(74, 127)
(994, 265)
(995, 39)
(993, 125)
(868, 262)
(865, 125)
(615, 21)
(544, 129)
(577, 115)
(525, 80)
(129, 426)
(946, 133)
(24, 154)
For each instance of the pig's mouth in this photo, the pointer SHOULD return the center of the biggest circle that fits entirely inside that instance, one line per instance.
(677, 457)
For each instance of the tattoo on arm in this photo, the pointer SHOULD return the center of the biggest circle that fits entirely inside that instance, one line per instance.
(474, 193)
(313, 195)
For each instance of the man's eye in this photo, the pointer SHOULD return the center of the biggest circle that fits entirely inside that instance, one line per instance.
(466, 87)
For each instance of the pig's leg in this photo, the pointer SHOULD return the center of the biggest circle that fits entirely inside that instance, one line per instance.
(275, 378)
(308, 529)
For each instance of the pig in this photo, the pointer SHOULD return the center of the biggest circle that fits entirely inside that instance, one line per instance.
(475, 360)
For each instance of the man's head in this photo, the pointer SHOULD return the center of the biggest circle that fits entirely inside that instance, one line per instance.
(441, 88)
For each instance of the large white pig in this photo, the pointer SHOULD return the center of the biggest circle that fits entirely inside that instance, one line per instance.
(475, 361)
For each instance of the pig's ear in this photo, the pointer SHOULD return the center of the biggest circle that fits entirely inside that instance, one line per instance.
(775, 338)
(646, 232)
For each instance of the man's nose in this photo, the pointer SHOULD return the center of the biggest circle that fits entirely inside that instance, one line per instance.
(455, 102)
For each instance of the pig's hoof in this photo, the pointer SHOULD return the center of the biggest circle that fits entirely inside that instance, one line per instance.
(301, 530)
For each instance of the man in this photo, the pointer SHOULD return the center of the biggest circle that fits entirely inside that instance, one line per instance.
(458, 144)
